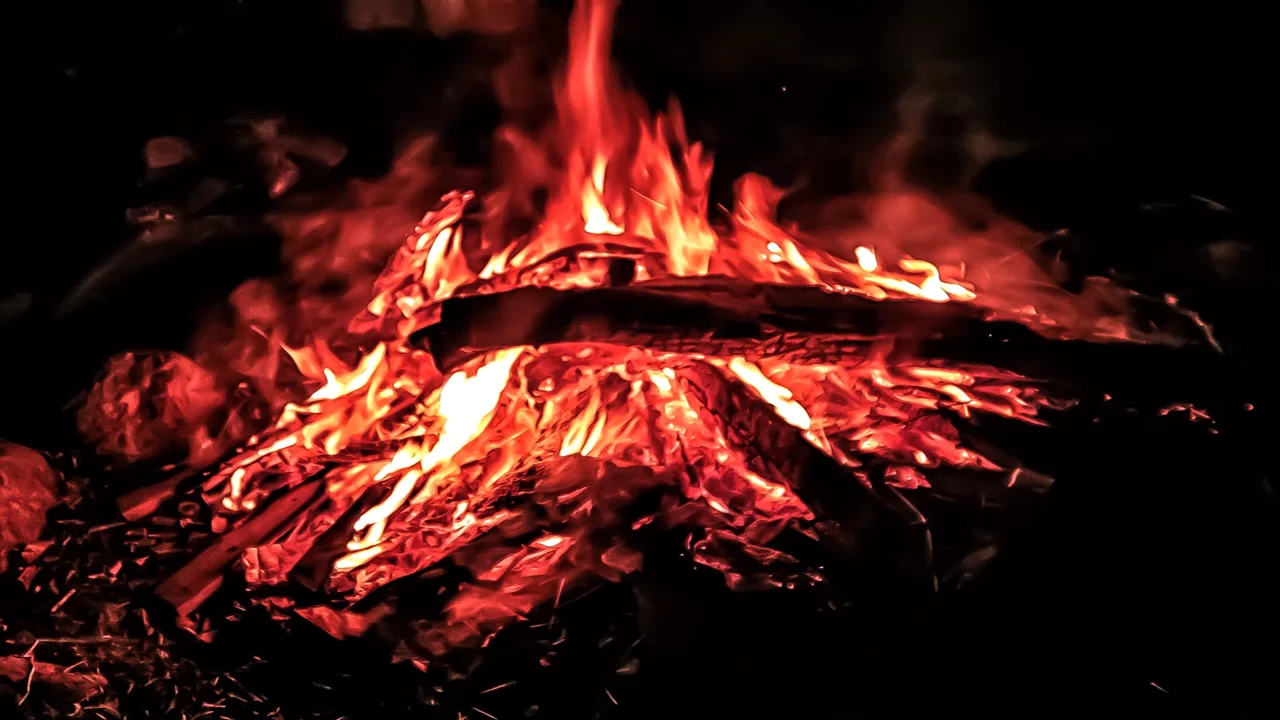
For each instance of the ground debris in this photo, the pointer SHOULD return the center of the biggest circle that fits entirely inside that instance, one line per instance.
(80, 607)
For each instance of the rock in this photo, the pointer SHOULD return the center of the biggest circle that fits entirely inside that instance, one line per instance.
(149, 404)
(28, 488)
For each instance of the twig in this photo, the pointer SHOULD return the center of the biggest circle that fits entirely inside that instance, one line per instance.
(58, 605)
(31, 674)
(86, 640)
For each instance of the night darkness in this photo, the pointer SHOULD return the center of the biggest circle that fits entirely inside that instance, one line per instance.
(1144, 583)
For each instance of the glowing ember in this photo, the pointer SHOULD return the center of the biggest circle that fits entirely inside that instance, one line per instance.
(521, 465)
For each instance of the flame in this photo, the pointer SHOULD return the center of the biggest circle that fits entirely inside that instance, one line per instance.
(634, 188)
(465, 405)
(519, 465)
(776, 395)
(595, 217)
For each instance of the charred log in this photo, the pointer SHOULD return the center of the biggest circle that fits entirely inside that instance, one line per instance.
(724, 317)
(713, 316)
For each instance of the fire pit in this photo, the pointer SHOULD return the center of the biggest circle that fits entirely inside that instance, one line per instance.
(562, 403)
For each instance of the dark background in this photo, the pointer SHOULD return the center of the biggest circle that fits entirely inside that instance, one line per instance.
(1143, 586)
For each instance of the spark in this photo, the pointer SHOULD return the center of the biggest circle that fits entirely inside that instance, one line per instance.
(58, 605)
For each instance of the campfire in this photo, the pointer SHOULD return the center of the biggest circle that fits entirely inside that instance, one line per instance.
(516, 392)
(555, 369)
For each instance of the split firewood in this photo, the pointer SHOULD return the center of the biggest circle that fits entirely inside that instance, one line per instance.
(22, 670)
(1140, 373)
(726, 317)
(853, 519)
(190, 586)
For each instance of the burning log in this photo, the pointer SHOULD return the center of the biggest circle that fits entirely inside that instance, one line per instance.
(190, 586)
(711, 316)
(851, 514)
(728, 318)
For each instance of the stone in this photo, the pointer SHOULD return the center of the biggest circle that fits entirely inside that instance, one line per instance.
(28, 488)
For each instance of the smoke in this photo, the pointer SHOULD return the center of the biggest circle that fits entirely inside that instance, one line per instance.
(944, 134)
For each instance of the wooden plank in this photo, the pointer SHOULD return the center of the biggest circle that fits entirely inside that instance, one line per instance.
(190, 586)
